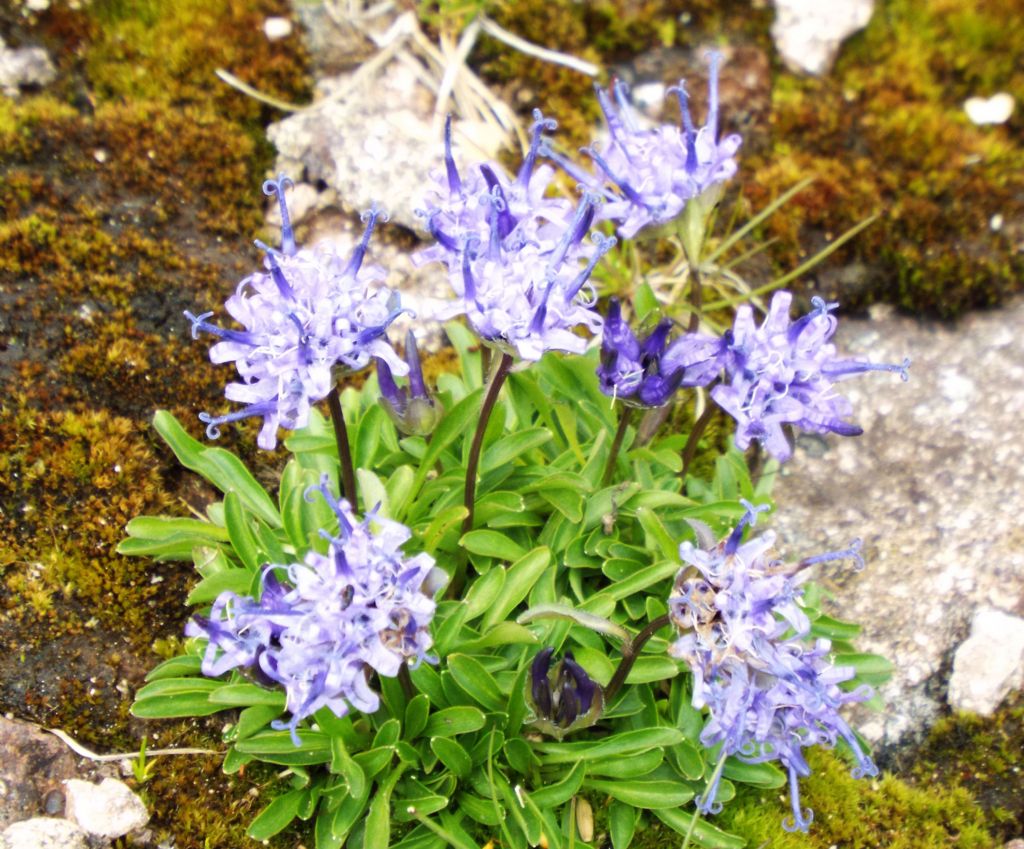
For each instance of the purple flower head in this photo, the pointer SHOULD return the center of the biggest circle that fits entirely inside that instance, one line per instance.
(411, 408)
(649, 174)
(744, 634)
(483, 203)
(564, 698)
(327, 623)
(519, 261)
(310, 311)
(647, 373)
(783, 373)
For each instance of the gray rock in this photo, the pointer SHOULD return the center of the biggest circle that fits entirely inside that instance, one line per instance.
(808, 33)
(24, 66)
(933, 487)
(108, 809)
(43, 833)
(989, 664)
(374, 145)
(33, 766)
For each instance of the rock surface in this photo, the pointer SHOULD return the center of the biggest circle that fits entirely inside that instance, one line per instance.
(43, 833)
(989, 663)
(24, 66)
(934, 489)
(808, 33)
(33, 766)
(108, 809)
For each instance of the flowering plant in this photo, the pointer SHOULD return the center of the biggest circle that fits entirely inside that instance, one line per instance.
(472, 609)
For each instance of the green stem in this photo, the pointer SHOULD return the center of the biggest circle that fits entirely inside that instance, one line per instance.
(469, 499)
(630, 652)
(696, 300)
(690, 449)
(348, 473)
(620, 433)
(408, 688)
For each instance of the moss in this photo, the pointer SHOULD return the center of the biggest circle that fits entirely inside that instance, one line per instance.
(985, 756)
(858, 814)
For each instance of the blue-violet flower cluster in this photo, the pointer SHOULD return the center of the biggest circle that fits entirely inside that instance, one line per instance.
(744, 635)
(647, 373)
(648, 175)
(322, 626)
(309, 311)
(783, 373)
(518, 260)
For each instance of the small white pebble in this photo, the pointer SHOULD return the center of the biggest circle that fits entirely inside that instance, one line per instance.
(277, 28)
(996, 109)
(100, 155)
(995, 223)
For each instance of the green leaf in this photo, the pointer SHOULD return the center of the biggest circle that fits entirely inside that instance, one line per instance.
(176, 667)
(342, 764)
(621, 824)
(519, 580)
(243, 541)
(642, 580)
(243, 695)
(650, 795)
(441, 524)
(703, 832)
(399, 490)
(234, 580)
(254, 719)
(277, 815)
(453, 721)
(645, 302)
(333, 827)
(221, 468)
(871, 668)
(562, 790)
(620, 745)
(652, 667)
(175, 697)
(502, 634)
(481, 810)
(492, 544)
(277, 747)
(378, 819)
(416, 714)
(158, 528)
(639, 765)
(765, 775)
(508, 448)
(452, 755)
(471, 675)
(594, 623)
(834, 629)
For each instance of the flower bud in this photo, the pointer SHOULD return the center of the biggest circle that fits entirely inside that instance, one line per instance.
(411, 408)
(563, 698)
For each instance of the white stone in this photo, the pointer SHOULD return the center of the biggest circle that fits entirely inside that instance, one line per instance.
(989, 663)
(996, 109)
(808, 33)
(37, 5)
(277, 28)
(43, 833)
(24, 66)
(108, 809)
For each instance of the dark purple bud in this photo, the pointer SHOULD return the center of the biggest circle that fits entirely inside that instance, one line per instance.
(391, 394)
(540, 124)
(689, 132)
(654, 345)
(505, 220)
(540, 688)
(370, 217)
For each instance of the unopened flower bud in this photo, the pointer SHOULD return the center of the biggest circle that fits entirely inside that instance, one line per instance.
(563, 698)
(411, 408)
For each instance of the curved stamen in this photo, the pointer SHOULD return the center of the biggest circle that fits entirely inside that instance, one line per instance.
(626, 189)
(199, 323)
(277, 187)
(841, 369)
(749, 518)
(540, 124)
(689, 131)
(621, 91)
(369, 217)
(505, 217)
(852, 552)
(213, 423)
(603, 244)
(566, 164)
(714, 58)
(276, 272)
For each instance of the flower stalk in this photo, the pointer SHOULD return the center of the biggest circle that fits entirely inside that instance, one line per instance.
(348, 472)
(630, 652)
